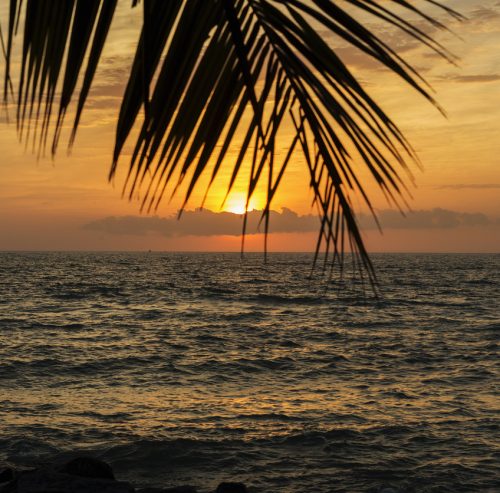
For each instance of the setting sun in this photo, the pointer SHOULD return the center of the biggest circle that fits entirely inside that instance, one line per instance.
(236, 203)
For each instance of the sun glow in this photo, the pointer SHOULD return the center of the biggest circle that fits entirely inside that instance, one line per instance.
(236, 204)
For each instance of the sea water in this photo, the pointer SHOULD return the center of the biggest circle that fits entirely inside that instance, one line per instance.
(199, 368)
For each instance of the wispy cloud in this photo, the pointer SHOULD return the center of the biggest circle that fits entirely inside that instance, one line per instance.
(203, 222)
(472, 78)
(473, 186)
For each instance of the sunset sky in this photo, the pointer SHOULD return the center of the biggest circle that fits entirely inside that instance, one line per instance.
(68, 204)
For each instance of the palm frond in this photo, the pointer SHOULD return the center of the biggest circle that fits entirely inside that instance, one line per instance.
(202, 66)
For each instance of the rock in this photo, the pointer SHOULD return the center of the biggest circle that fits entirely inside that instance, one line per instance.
(231, 488)
(8, 487)
(6, 474)
(388, 488)
(180, 489)
(177, 489)
(87, 467)
(44, 481)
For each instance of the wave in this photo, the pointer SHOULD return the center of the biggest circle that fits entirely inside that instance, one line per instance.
(63, 292)
(286, 300)
(359, 460)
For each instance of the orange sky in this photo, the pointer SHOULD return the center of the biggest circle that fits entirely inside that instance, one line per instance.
(49, 204)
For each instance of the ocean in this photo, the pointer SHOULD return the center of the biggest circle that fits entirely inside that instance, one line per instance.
(198, 368)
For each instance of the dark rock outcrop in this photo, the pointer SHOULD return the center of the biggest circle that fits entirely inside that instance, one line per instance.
(176, 489)
(180, 489)
(85, 475)
(6, 474)
(231, 488)
(48, 481)
(87, 467)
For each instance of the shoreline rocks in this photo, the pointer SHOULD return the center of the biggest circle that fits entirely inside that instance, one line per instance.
(85, 475)
(87, 467)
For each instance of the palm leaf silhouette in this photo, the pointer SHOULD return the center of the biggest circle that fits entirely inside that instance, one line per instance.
(201, 67)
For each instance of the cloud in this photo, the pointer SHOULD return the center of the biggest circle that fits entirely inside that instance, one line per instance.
(354, 57)
(428, 219)
(473, 186)
(473, 78)
(485, 15)
(203, 222)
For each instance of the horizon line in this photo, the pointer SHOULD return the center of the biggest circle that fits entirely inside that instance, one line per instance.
(253, 252)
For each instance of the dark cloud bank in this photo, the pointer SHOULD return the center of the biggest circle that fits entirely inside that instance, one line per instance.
(203, 222)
